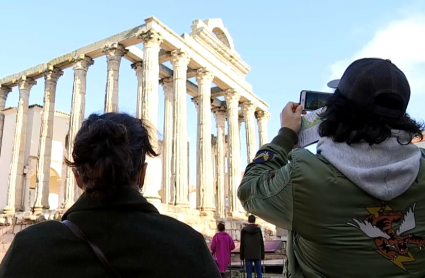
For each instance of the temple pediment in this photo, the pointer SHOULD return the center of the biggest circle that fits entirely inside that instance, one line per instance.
(215, 37)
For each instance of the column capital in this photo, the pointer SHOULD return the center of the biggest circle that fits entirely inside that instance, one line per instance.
(166, 80)
(204, 75)
(220, 114)
(241, 119)
(4, 91)
(248, 108)
(168, 86)
(195, 100)
(53, 74)
(151, 38)
(262, 115)
(137, 66)
(82, 62)
(179, 58)
(26, 83)
(232, 97)
(114, 50)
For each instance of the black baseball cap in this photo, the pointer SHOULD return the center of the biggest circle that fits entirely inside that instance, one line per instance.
(377, 85)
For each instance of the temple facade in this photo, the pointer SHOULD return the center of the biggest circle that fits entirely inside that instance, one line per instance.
(35, 138)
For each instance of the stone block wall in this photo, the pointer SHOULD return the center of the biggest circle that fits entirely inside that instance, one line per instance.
(203, 222)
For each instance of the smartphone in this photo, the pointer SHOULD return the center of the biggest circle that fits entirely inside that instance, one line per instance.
(312, 100)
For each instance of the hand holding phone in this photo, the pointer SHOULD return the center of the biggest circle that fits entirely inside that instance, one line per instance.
(291, 116)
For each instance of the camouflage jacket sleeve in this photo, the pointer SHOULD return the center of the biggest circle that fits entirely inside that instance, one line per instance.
(266, 188)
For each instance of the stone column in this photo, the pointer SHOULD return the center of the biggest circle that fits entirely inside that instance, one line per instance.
(15, 183)
(234, 160)
(167, 145)
(195, 100)
(113, 53)
(138, 67)
(45, 145)
(81, 67)
(248, 109)
(241, 119)
(27, 198)
(147, 109)
(262, 118)
(204, 77)
(220, 119)
(180, 60)
(4, 91)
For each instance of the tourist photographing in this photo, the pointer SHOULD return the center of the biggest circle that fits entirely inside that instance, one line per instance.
(357, 208)
(221, 246)
(252, 247)
(127, 237)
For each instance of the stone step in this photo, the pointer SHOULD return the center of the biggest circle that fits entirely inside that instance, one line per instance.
(2, 256)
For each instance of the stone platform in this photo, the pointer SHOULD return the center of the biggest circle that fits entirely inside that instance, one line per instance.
(202, 221)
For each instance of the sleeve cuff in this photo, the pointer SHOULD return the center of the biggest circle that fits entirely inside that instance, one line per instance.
(286, 138)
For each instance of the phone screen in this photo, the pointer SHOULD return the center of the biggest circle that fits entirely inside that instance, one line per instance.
(315, 100)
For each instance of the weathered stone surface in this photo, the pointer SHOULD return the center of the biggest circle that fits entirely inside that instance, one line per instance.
(167, 150)
(180, 60)
(4, 91)
(113, 52)
(45, 148)
(234, 159)
(81, 66)
(248, 109)
(148, 109)
(262, 118)
(205, 189)
(14, 193)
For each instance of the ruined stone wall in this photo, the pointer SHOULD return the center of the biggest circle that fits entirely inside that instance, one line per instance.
(203, 222)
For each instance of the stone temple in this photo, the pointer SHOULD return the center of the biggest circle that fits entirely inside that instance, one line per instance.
(34, 181)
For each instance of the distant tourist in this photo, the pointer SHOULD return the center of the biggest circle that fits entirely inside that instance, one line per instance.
(252, 247)
(221, 246)
(357, 207)
(127, 237)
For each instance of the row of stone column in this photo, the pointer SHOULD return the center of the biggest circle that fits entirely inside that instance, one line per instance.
(175, 151)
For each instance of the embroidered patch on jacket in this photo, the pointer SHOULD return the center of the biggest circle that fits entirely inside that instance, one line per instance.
(263, 156)
(390, 243)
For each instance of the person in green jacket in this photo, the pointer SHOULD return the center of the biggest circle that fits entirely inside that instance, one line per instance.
(357, 207)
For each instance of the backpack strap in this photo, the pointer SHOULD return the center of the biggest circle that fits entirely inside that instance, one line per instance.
(99, 254)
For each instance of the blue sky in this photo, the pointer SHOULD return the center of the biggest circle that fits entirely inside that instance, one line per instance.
(290, 45)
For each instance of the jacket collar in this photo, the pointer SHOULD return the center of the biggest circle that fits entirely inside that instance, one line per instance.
(127, 199)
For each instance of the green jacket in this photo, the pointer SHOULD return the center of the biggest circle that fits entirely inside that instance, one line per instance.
(335, 229)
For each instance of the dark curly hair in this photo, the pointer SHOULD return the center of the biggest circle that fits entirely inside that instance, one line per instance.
(345, 121)
(109, 151)
(221, 227)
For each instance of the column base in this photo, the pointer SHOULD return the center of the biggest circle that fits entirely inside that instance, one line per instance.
(38, 209)
(208, 209)
(183, 205)
(8, 210)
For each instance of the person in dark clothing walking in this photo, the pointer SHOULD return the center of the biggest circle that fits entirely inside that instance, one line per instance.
(252, 247)
(108, 161)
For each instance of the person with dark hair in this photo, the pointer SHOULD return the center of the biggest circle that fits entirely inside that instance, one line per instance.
(357, 207)
(111, 230)
(252, 247)
(221, 246)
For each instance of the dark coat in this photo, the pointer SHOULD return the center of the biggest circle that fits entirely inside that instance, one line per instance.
(136, 239)
(252, 243)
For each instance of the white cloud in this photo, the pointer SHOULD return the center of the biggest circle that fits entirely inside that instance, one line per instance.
(401, 41)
